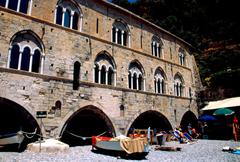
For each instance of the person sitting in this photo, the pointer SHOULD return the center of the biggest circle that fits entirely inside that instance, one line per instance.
(179, 135)
(192, 132)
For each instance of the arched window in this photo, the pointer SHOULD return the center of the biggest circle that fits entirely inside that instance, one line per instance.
(159, 80)
(181, 55)
(75, 21)
(120, 33)
(76, 75)
(25, 52)
(59, 15)
(178, 85)
(25, 59)
(23, 6)
(110, 76)
(96, 74)
(13, 4)
(103, 75)
(36, 61)
(3, 3)
(136, 77)
(104, 70)
(156, 47)
(14, 56)
(67, 18)
(67, 14)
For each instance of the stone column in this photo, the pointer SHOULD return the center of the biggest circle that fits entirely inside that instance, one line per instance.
(30, 8)
(71, 20)
(99, 75)
(9, 57)
(129, 40)
(20, 59)
(153, 46)
(18, 5)
(137, 82)
(179, 89)
(156, 85)
(157, 54)
(122, 37)
(94, 71)
(42, 63)
(161, 90)
(55, 15)
(7, 2)
(30, 62)
(116, 35)
(81, 22)
(106, 77)
(131, 81)
(63, 16)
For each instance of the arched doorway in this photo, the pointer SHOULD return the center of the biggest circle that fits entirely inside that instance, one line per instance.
(14, 118)
(85, 123)
(189, 118)
(154, 119)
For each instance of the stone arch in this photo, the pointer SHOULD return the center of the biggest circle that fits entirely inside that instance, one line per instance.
(37, 40)
(15, 117)
(188, 118)
(87, 121)
(120, 20)
(106, 56)
(73, 2)
(154, 116)
(138, 64)
(160, 70)
(179, 75)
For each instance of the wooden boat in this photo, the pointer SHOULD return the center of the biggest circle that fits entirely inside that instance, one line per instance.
(14, 138)
(128, 146)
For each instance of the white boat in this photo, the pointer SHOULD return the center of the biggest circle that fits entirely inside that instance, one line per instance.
(129, 146)
(14, 138)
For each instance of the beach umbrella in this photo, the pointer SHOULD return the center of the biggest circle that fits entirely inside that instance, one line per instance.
(223, 112)
(206, 118)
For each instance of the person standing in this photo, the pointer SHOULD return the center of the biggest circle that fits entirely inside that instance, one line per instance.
(235, 128)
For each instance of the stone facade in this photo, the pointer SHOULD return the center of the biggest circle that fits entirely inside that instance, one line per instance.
(62, 47)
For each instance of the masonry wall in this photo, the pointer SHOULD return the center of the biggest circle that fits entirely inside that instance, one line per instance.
(62, 47)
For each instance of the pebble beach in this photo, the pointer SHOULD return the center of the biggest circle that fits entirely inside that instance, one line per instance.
(200, 151)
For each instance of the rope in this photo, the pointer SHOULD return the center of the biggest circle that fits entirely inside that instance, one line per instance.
(30, 135)
(84, 138)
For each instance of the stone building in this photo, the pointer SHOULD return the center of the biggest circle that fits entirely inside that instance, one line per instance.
(93, 67)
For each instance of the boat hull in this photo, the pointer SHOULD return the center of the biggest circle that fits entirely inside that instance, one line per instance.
(106, 144)
(14, 139)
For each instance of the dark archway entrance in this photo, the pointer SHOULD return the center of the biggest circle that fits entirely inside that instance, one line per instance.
(189, 118)
(88, 121)
(153, 119)
(14, 118)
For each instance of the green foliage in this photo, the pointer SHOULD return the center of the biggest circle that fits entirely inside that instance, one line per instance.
(201, 23)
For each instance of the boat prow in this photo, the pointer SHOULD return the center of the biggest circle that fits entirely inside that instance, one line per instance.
(14, 138)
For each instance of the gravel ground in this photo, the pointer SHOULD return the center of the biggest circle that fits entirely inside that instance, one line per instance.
(202, 150)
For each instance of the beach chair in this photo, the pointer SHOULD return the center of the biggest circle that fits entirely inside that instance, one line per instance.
(177, 136)
(189, 138)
